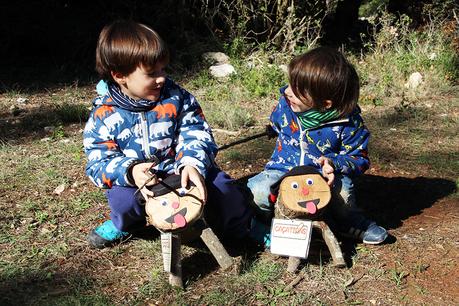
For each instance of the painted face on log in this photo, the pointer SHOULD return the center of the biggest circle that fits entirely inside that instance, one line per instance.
(305, 193)
(174, 210)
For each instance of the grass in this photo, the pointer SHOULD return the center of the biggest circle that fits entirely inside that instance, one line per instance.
(397, 52)
(45, 260)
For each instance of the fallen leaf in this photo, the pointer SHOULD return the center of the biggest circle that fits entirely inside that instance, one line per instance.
(59, 189)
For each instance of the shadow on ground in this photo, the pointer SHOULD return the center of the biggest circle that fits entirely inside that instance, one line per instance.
(31, 122)
(40, 288)
(390, 200)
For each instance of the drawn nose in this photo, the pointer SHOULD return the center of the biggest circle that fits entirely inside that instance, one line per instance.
(175, 205)
(305, 191)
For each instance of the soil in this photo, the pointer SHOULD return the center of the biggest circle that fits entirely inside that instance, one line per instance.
(417, 265)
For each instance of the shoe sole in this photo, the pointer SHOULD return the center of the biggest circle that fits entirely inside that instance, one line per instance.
(376, 242)
(96, 241)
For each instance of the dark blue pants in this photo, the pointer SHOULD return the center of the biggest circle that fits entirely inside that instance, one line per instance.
(226, 210)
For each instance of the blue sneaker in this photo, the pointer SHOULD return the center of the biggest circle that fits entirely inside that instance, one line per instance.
(260, 232)
(105, 235)
(374, 234)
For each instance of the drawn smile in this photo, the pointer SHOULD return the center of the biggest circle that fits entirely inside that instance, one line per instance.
(178, 218)
(310, 206)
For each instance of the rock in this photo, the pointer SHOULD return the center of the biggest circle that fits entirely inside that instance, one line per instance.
(59, 189)
(49, 129)
(414, 80)
(221, 71)
(22, 100)
(215, 58)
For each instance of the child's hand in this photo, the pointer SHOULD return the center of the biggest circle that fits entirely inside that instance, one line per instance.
(140, 175)
(328, 171)
(190, 173)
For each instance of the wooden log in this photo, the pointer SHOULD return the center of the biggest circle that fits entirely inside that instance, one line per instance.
(175, 275)
(293, 263)
(332, 243)
(216, 248)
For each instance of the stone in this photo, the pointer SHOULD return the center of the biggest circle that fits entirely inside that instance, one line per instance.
(414, 80)
(215, 58)
(221, 71)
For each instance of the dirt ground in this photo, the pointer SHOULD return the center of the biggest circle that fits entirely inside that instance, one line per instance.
(423, 246)
(418, 265)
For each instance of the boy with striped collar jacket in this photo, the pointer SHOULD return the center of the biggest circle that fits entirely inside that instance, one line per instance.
(318, 124)
(143, 127)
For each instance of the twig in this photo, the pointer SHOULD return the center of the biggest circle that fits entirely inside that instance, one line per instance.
(353, 280)
(294, 282)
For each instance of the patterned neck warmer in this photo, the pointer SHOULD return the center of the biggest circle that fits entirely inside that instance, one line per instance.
(123, 101)
(313, 118)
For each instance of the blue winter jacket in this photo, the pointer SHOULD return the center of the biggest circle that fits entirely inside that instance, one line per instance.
(344, 141)
(174, 130)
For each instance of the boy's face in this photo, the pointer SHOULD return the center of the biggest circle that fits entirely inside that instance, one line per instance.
(143, 83)
(297, 105)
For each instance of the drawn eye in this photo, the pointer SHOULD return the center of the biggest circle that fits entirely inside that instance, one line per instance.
(310, 182)
(182, 192)
(164, 202)
(294, 185)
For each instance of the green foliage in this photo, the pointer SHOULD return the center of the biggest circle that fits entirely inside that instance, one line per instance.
(58, 132)
(260, 81)
(397, 52)
(281, 25)
(263, 271)
(372, 7)
(69, 113)
(225, 101)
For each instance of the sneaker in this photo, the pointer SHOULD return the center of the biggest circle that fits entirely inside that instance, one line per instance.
(374, 234)
(105, 235)
(260, 232)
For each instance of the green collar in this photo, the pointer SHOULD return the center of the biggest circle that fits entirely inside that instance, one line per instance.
(313, 118)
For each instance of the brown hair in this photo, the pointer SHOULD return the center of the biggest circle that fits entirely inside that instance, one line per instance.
(324, 74)
(124, 45)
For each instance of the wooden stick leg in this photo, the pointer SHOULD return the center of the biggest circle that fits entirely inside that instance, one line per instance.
(216, 248)
(175, 275)
(332, 243)
(293, 263)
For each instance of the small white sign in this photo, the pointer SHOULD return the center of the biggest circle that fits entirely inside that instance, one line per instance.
(291, 237)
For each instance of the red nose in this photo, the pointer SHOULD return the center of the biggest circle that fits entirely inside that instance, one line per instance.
(175, 205)
(305, 191)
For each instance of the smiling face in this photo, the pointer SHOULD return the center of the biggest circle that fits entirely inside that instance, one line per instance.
(297, 105)
(142, 83)
(170, 212)
(306, 193)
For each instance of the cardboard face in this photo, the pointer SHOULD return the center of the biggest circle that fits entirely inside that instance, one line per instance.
(306, 193)
(169, 212)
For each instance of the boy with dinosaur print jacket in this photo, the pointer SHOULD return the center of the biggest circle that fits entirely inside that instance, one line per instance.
(141, 120)
(318, 123)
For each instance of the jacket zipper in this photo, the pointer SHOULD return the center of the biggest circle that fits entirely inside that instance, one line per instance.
(302, 133)
(301, 143)
(144, 127)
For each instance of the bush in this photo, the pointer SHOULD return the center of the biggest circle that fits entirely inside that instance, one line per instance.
(397, 51)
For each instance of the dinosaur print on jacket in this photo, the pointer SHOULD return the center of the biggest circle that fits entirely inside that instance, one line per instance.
(115, 137)
(344, 141)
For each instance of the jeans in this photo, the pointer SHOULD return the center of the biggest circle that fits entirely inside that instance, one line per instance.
(226, 210)
(342, 206)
